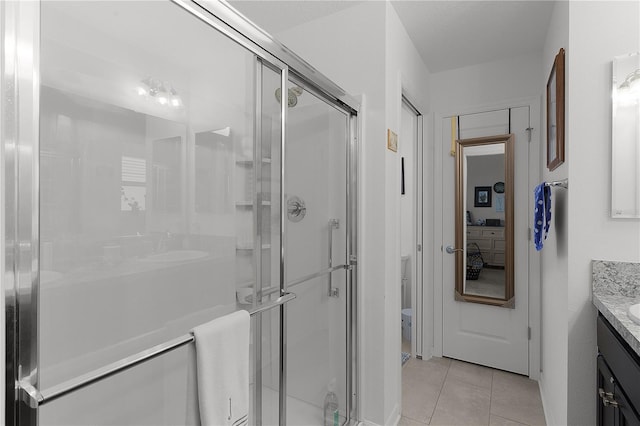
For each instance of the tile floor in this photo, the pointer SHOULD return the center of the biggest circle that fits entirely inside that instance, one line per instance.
(441, 391)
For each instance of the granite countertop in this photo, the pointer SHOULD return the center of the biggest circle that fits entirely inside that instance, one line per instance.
(616, 286)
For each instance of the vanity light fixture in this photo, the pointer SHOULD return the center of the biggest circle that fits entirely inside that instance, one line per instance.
(631, 82)
(629, 90)
(161, 92)
(174, 99)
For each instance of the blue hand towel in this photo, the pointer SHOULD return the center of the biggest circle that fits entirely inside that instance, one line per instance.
(542, 214)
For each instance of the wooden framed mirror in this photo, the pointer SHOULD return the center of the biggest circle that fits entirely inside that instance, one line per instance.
(484, 221)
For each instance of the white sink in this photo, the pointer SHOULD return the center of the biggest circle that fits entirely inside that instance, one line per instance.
(634, 313)
(176, 256)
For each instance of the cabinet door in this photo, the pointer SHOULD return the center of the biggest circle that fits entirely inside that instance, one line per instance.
(621, 412)
(606, 414)
(626, 412)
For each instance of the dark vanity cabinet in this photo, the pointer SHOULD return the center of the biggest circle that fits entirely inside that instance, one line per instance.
(618, 390)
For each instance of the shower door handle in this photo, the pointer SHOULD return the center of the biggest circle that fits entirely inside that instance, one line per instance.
(333, 224)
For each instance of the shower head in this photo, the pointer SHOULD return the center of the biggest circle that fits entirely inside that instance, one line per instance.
(297, 90)
(293, 93)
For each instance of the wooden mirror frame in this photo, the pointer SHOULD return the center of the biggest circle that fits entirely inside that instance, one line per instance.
(460, 222)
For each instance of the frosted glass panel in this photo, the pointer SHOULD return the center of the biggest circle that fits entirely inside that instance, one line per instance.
(158, 392)
(148, 182)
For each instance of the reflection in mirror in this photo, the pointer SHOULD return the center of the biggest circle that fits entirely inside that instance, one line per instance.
(213, 152)
(166, 175)
(118, 229)
(625, 178)
(484, 220)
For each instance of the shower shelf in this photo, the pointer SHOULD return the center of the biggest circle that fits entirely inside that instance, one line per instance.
(249, 204)
(250, 162)
(250, 248)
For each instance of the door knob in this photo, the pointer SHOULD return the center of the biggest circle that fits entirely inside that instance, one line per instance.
(452, 250)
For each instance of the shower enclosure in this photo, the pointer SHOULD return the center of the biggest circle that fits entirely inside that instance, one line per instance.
(156, 178)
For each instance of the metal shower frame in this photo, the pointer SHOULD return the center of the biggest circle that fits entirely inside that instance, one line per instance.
(19, 189)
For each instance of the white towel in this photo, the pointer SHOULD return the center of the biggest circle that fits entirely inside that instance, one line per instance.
(222, 360)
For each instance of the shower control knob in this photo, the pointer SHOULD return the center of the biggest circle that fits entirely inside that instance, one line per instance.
(296, 209)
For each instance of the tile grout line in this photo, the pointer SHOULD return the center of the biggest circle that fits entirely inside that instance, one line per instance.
(502, 416)
(493, 374)
(428, 420)
(435, 406)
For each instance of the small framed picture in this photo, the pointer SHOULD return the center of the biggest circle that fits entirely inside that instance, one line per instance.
(555, 113)
(483, 196)
(392, 141)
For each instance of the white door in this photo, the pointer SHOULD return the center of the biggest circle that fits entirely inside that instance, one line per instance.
(483, 334)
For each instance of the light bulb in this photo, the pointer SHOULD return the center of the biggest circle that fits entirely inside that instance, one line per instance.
(175, 100)
(142, 91)
(628, 93)
(163, 95)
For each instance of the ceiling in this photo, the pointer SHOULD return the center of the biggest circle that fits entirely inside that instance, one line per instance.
(278, 15)
(454, 34)
(447, 34)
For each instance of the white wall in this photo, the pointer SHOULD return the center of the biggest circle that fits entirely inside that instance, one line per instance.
(462, 88)
(554, 255)
(592, 34)
(404, 70)
(598, 31)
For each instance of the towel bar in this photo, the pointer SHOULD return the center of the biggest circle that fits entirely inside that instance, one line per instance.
(564, 183)
(35, 398)
(270, 290)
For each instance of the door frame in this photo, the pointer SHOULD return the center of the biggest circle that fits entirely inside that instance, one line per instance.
(534, 104)
(417, 252)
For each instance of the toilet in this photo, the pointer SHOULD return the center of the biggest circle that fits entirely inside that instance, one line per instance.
(406, 324)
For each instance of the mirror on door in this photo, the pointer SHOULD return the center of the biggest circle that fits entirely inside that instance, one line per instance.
(484, 221)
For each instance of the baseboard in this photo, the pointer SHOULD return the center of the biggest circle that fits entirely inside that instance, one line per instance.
(547, 413)
(368, 423)
(394, 417)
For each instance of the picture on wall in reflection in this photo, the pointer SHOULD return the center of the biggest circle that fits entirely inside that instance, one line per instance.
(483, 196)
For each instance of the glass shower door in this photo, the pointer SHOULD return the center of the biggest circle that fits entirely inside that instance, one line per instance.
(316, 242)
(158, 205)
(153, 201)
